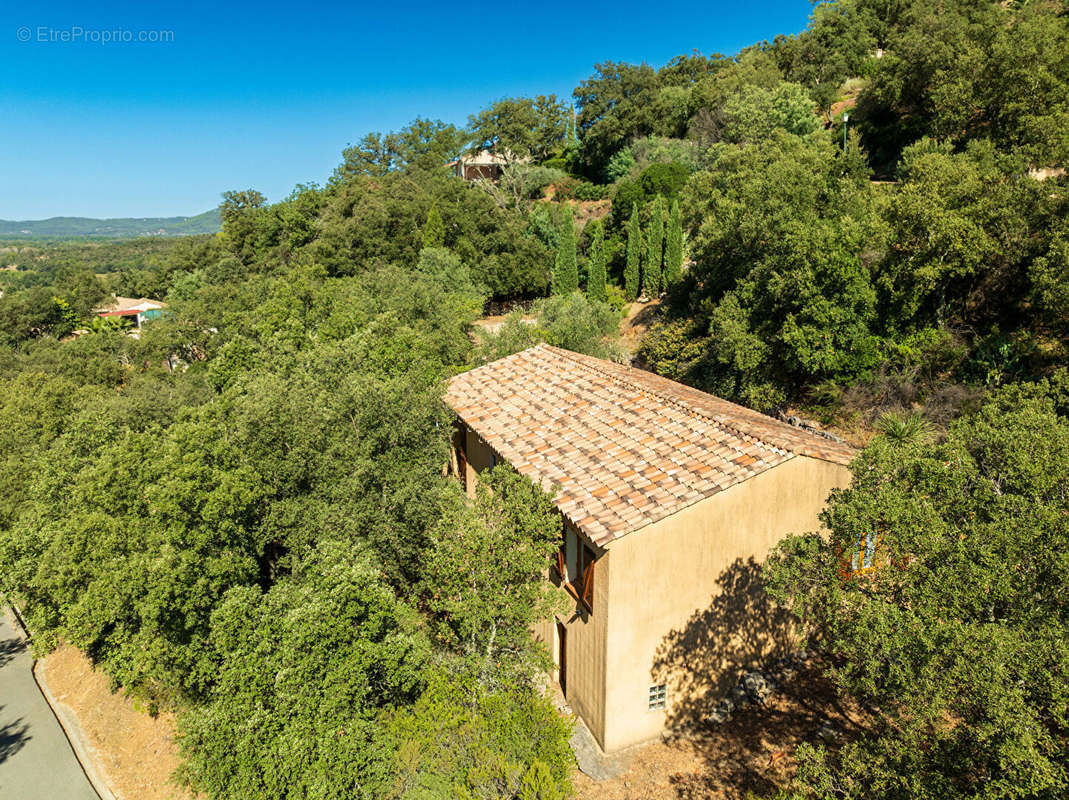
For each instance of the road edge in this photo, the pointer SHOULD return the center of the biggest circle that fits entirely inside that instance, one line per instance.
(68, 723)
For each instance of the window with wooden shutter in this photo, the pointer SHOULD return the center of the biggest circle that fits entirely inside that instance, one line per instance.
(862, 555)
(574, 562)
(586, 593)
(562, 570)
(586, 579)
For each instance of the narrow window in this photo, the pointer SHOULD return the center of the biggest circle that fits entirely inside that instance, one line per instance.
(561, 562)
(863, 556)
(658, 697)
(868, 558)
(575, 561)
(571, 555)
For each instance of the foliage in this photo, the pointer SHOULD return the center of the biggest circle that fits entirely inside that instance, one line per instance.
(242, 515)
(579, 324)
(536, 179)
(423, 144)
(956, 639)
(305, 672)
(596, 277)
(652, 274)
(632, 160)
(521, 127)
(753, 114)
(485, 606)
(589, 192)
(566, 267)
(970, 70)
(1050, 281)
(904, 428)
(786, 297)
(368, 219)
(657, 180)
(575, 322)
(458, 744)
(634, 249)
(433, 229)
(615, 106)
(673, 247)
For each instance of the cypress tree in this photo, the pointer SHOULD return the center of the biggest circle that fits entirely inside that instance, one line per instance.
(673, 247)
(566, 267)
(595, 279)
(634, 251)
(652, 279)
(434, 230)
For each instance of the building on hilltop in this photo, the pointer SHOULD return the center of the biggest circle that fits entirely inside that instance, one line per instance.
(136, 309)
(670, 498)
(483, 165)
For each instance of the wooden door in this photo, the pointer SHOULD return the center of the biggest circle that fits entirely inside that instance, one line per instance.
(460, 446)
(562, 657)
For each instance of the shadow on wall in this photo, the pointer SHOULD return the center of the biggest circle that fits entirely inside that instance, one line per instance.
(702, 661)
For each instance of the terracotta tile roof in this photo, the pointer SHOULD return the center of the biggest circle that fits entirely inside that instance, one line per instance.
(623, 447)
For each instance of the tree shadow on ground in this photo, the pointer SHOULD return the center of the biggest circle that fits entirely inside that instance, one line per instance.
(752, 754)
(13, 736)
(741, 629)
(9, 648)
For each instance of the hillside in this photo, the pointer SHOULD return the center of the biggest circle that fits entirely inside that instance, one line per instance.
(118, 228)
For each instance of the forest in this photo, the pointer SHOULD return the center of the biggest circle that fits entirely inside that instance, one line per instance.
(241, 514)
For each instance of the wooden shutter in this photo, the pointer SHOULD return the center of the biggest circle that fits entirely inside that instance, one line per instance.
(844, 564)
(587, 590)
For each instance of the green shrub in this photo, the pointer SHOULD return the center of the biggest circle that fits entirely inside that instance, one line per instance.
(590, 191)
(536, 178)
(498, 745)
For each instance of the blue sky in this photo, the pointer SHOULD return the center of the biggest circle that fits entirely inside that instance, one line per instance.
(266, 95)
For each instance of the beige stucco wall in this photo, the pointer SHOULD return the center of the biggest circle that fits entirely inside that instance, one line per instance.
(685, 605)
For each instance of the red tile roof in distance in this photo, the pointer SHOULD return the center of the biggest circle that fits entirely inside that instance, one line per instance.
(623, 447)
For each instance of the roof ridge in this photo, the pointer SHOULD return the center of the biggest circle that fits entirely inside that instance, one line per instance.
(736, 429)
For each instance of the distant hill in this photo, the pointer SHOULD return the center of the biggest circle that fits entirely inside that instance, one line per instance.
(122, 228)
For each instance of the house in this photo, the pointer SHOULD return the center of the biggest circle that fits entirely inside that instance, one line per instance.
(483, 165)
(670, 498)
(138, 310)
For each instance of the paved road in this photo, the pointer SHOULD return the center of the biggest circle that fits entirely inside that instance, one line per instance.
(36, 761)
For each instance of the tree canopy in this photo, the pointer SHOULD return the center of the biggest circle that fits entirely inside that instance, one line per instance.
(955, 636)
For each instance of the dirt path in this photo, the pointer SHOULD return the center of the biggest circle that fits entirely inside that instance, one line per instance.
(636, 322)
(134, 752)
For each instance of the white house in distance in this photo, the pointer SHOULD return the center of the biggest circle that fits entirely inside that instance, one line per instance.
(483, 165)
(138, 309)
